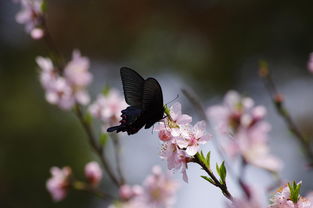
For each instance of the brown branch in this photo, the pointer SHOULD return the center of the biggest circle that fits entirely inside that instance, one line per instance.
(279, 104)
(97, 149)
(217, 183)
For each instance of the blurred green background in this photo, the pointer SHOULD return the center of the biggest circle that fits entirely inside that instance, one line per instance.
(214, 45)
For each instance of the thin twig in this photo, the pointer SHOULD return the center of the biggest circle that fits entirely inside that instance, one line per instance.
(92, 141)
(279, 104)
(217, 183)
(78, 185)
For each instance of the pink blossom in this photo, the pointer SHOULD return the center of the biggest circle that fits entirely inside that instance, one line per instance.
(108, 107)
(281, 199)
(127, 192)
(191, 137)
(176, 158)
(159, 189)
(76, 71)
(31, 16)
(310, 63)
(59, 183)
(61, 94)
(241, 125)
(65, 91)
(93, 173)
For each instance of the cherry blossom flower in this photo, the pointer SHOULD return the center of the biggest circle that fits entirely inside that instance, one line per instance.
(281, 199)
(157, 191)
(93, 173)
(241, 125)
(176, 158)
(31, 16)
(59, 183)
(246, 202)
(127, 192)
(191, 137)
(108, 108)
(65, 91)
(181, 139)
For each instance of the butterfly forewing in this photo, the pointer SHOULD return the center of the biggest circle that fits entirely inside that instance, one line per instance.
(133, 85)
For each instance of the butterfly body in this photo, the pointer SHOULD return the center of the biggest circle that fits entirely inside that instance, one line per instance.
(145, 99)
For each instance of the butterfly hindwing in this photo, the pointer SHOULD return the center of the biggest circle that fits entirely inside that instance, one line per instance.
(152, 101)
(133, 85)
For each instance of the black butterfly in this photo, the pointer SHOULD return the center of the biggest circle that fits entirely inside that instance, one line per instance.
(145, 99)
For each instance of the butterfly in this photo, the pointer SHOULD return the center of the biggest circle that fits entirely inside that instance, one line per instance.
(145, 100)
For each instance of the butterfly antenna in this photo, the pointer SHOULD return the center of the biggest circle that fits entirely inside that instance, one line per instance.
(177, 96)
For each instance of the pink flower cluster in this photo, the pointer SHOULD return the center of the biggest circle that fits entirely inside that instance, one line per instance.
(61, 181)
(281, 199)
(31, 16)
(157, 191)
(68, 88)
(181, 140)
(93, 173)
(59, 184)
(108, 107)
(242, 124)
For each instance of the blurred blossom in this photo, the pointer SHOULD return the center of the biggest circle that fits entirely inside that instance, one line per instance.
(93, 173)
(65, 91)
(281, 199)
(59, 183)
(127, 192)
(242, 126)
(157, 191)
(31, 16)
(181, 139)
(108, 108)
(251, 202)
(310, 63)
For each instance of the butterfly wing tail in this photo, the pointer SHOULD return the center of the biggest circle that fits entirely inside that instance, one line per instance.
(114, 128)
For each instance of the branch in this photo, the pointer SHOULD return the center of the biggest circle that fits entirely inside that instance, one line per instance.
(216, 183)
(279, 104)
(97, 149)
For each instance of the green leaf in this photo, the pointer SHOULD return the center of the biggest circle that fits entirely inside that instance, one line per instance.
(103, 139)
(208, 179)
(208, 159)
(294, 191)
(223, 172)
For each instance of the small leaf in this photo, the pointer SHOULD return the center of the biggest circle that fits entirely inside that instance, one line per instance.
(217, 169)
(103, 139)
(223, 172)
(208, 159)
(294, 191)
(208, 179)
